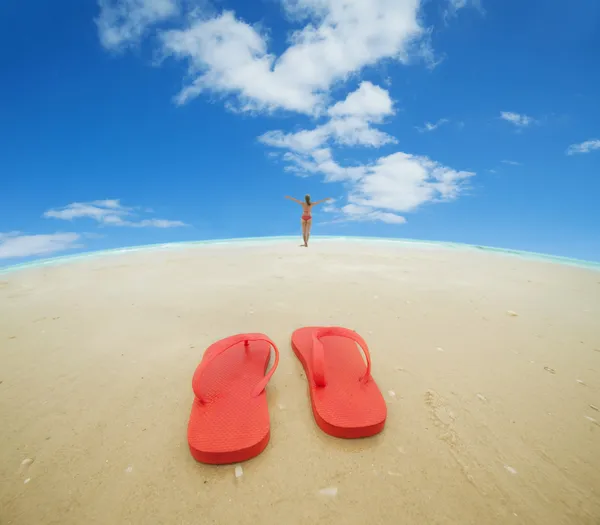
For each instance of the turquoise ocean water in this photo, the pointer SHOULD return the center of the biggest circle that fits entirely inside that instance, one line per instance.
(265, 240)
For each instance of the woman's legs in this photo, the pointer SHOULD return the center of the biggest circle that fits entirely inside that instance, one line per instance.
(304, 229)
(308, 225)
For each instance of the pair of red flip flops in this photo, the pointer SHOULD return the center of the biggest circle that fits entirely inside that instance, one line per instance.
(229, 421)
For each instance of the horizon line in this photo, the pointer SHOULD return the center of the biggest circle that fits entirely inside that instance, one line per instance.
(49, 261)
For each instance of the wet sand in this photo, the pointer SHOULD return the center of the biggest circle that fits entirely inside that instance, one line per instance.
(492, 417)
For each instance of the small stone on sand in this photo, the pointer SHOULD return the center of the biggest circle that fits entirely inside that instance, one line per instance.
(482, 397)
(439, 349)
(551, 370)
(239, 471)
(129, 469)
(512, 314)
(27, 481)
(392, 393)
(580, 382)
(510, 469)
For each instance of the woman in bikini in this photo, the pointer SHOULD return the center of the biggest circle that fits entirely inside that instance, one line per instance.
(307, 206)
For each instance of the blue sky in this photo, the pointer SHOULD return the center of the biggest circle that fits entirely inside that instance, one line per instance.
(148, 121)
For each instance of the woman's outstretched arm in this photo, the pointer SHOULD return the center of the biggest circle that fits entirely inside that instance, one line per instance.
(322, 200)
(292, 199)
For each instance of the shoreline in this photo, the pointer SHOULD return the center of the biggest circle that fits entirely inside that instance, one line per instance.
(521, 254)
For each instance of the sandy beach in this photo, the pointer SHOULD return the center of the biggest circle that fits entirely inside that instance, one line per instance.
(489, 363)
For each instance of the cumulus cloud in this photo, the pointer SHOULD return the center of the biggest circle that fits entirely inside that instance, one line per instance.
(583, 147)
(108, 213)
(402, 182)
(396, 183)
(349, 125)
(124, 22)
(369, 101)
(520, 121)
(228, 56)
(380, 190)
(15, 244)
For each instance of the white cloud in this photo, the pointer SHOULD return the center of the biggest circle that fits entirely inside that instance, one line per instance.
(14, 244)
(351, 131)
(154, 223)
(511, 163)
(337, 39)
(521, 121)
(402, 182)
(321, 162)
(353, 212)
(349, 125)
(584, 147)
(124, 22)
(369, 101)
(109, 213)
(395, 183)
(428, 126)
(229, 56)
(355, 131)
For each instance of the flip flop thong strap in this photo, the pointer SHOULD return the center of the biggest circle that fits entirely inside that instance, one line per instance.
(225, 345)
(318, 352)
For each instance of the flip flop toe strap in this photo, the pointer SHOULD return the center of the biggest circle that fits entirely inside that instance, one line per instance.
(225, 345)
(318, 352)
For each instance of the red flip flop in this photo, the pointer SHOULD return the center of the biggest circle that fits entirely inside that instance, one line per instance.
(345, 399)
(229, 421)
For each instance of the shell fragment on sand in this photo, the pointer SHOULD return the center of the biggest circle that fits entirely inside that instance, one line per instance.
(25, 464)
(329, 491)
(510, 469)
(239, 471)
(512, 314)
